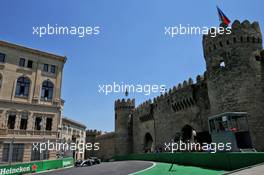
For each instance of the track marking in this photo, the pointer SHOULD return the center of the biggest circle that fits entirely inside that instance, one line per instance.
(51, 170)
(152, 166)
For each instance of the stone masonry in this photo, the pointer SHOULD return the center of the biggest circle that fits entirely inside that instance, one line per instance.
(232, 82)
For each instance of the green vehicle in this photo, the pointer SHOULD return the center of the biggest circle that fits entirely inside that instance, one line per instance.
(231, 127)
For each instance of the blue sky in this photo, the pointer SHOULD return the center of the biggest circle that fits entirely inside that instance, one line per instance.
(131, 47)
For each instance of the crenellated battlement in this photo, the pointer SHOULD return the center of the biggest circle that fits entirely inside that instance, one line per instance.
(178, 98)
(201, 78)
(187, 84)
(144, 111)
(181, 86)
(143, 106)
(125, 104)
(239, 35)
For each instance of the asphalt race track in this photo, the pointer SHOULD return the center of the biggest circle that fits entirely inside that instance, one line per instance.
(109, 168)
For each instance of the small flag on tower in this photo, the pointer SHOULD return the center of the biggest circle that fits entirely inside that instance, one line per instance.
(223, 18)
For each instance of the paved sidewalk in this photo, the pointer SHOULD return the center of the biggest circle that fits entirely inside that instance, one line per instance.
(257, 170)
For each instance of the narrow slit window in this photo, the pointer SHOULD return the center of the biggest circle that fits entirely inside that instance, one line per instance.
(222, 64)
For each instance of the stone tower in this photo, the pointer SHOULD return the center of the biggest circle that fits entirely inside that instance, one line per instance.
(235, 75)
(123, 126)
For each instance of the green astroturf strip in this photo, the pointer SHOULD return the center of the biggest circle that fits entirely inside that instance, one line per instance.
(163, 169)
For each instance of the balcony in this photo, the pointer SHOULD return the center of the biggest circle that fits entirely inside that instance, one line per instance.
(29, 133)
(59, 103)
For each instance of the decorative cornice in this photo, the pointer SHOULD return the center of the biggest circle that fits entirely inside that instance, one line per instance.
(33, 51)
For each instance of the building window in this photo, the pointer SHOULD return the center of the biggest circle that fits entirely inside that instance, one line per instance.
(69, 129)
(45, 154)
(47, 90)
(53, 69)
(2, 57)
(11, 122)
(30, 64)
(22, 87)
(64, 128)
(38, 123)
(5, 152)
(23, 121)
(49, 124)
(22, 62)
(36, 155)
(46, 68)
(18, 152)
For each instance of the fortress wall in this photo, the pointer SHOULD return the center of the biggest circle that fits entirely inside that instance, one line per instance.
(139, 135)
(233, 82)
(165, 117)
(107, 146)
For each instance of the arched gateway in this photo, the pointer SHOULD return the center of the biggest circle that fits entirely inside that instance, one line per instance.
(148, 143)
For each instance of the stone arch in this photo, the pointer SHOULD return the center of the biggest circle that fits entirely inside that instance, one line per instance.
(177, 137)
(188, 133)
(148, 143)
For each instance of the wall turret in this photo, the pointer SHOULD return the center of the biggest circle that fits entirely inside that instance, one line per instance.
(234, 75)
(123, 126)
(233, 47)
(230, 63)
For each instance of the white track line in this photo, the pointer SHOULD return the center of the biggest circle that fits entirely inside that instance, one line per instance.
(152, 166)
(51, 170)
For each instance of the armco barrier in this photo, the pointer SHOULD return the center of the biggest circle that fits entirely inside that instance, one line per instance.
(24, 168)
(221, 161)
